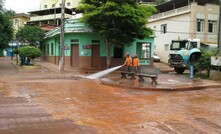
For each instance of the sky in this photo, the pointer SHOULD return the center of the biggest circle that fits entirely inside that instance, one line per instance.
(22, 6)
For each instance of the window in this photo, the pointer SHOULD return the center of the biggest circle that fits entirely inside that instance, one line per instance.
(48, 49)
(45, 6)
(200, 25)
(154, 30)
(96, 41)
(163, 28)
(166, 47)
(60, 4)
(74, 40)
(53, 5)
(211, 26)
(44, 49)
(118, 51)
(68, 4)
(52, 49)
(143, 50)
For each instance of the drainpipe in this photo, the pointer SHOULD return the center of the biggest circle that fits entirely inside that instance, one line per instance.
(219, 31)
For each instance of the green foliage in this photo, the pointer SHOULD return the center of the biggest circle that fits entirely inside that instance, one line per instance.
(30, 51)
(204, 62)
(6, 28)
(119, 21)
(16, 51)
(1, 5)
(31, 34)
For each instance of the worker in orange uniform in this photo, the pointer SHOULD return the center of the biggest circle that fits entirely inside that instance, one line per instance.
(136, 64)
(128, 62)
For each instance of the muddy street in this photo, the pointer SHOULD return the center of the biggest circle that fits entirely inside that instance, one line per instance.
(37, 103)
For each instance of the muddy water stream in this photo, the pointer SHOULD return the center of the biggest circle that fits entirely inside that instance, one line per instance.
(116, 110)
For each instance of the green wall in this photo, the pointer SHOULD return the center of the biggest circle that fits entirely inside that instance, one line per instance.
(86, 39)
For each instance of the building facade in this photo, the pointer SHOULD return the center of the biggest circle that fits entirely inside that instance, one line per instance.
(19, 20)
(49, 13)
(85, 49)
(47, 4)
(181, 19)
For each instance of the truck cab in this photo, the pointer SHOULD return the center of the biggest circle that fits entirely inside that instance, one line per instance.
(175, 59)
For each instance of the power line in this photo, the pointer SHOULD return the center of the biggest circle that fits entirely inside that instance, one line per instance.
(215, 34)
(191, 21)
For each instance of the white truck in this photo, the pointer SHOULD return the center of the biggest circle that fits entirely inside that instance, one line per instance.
(175, 59)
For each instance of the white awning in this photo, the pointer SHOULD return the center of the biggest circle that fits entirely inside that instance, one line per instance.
(210, 44)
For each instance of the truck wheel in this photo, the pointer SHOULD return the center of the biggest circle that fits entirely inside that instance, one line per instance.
(179, 70)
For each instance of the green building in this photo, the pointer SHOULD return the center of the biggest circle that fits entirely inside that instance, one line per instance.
(85, 49)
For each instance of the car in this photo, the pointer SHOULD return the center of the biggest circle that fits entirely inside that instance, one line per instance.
(156, 58)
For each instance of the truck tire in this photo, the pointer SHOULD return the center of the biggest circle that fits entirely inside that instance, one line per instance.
(179, 70)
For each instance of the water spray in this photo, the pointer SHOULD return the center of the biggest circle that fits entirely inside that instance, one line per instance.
(103, 73)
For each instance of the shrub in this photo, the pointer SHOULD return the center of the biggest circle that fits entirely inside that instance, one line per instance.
(30, 52)
(204, 62)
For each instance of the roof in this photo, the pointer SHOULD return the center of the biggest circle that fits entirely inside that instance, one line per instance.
(48, 27)
(50, 11)
(181, 3)
(18, 15)
(71, 26)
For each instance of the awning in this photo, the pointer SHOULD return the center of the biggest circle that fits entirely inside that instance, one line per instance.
(209, 44)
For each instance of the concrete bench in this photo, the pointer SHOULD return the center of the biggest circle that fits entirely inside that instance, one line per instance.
(124, 75)
(151, 73)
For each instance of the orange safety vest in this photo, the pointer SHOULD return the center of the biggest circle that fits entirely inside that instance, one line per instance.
(136, 62)
(129, 61)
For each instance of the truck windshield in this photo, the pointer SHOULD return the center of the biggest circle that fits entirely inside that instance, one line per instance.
(178, 45)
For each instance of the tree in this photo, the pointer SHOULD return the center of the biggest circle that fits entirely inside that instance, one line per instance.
(32, 34)
(6, 28)
(119, 21)
(1, 5)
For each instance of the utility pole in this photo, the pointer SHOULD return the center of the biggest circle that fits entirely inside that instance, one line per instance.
(219, 31)
(61, 61)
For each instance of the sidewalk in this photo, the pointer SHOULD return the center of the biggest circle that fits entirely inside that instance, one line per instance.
(168, 80)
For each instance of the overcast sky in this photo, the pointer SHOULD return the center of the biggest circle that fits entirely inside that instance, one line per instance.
(22, 6)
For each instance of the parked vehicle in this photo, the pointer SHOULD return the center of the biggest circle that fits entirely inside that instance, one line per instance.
(156, 58)
(175, 59)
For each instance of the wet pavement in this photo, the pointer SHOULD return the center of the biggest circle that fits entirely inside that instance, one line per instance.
(51, 102)
(166, 82)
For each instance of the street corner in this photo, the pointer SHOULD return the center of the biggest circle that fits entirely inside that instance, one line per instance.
(30, 68)
(165, 82)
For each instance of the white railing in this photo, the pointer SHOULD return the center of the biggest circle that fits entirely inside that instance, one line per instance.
(48, 17)
(170, 13)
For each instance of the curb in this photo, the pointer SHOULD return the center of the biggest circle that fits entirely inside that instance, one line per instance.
(20, 69)
(201, 87)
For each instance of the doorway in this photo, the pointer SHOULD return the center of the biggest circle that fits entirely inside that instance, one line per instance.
(75, 55)
(95, 56)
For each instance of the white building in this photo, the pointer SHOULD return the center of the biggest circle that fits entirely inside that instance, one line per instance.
(184, 19)
(48, 4)
(49, 13)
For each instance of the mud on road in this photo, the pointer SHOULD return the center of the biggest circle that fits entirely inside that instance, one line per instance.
(87, 106)
(44, 103)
